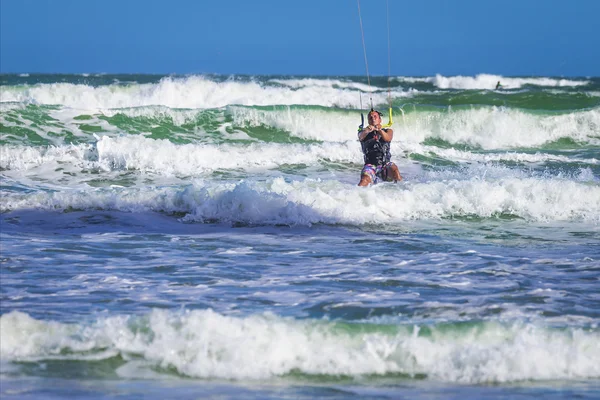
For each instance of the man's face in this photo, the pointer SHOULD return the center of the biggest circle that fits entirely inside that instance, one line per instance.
(374, 118)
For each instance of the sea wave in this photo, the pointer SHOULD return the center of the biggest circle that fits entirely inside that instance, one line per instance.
(313, 201)
(188, 92)
(161, 157)
(488, 127)
(205, 344)
(501, 128)
(489, 81)
(166, 158)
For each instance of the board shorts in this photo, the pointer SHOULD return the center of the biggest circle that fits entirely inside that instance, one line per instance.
(377, 173)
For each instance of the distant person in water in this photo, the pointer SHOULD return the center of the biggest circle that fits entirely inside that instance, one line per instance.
(498, 85)
(375, 142)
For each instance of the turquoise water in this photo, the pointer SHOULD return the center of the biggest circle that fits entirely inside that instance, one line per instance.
(203, 236)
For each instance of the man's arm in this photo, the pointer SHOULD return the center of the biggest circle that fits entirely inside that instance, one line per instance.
(363, 134)
(387, 134)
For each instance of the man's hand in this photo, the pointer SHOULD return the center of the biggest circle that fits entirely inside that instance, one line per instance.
(363, 134)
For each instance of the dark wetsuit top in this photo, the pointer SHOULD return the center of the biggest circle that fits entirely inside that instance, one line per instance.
(376, 151)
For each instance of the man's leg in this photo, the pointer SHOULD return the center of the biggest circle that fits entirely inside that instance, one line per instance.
(365, 180)
(367, 175)
(392, 172)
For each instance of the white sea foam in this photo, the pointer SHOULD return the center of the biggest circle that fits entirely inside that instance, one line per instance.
(488, 81)
(484, 127)
(177, 116)
(22, 158)
(166, 158)
(487, 127)
(480, 81)
(313, 201)
(53, 126)
(210, 345)
(487, 157)
(162, 158)
(500, 128)
(202, 92)
(322, 125)
(326, 83)
(190, 92)
(8, 106)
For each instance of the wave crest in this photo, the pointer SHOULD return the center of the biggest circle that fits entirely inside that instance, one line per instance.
(206, 344)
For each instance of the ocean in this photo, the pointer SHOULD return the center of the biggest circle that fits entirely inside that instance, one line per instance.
(203, 236)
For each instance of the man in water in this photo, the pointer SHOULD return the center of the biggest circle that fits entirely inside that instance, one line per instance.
(498, 85)
(375, 142)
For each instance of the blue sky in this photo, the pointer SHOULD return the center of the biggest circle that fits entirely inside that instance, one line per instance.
(301, 37)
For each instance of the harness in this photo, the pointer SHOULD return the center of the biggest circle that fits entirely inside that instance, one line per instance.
(376, 151)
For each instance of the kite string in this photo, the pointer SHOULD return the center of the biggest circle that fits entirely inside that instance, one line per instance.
(362, 33)
(387, 12)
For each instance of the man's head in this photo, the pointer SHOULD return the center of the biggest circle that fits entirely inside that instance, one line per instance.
(374, 117)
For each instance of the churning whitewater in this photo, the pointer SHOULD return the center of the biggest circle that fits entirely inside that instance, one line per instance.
(210, 227)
